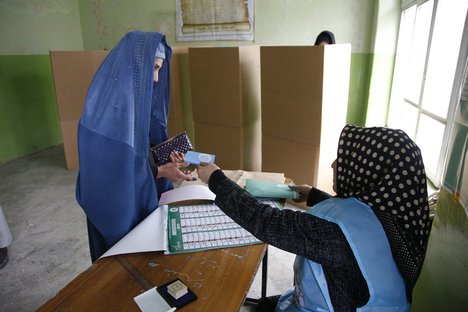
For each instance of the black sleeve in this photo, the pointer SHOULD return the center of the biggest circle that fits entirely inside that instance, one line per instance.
(294, 231)
(316, 196)
(153, 166)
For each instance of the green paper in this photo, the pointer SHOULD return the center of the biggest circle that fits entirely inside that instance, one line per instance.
(264, 189)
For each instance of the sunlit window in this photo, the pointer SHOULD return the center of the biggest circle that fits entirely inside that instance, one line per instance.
(428, 46)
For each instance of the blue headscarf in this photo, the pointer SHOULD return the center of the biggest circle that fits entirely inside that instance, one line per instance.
(124, 112)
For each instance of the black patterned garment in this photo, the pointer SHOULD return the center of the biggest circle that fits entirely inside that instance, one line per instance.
(383, 168)
(379, 166)
(299, 233)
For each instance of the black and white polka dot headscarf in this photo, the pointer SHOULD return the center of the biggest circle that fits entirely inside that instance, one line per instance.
(383, 168)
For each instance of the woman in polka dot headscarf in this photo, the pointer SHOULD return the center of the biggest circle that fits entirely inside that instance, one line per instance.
(362, 249)
(383, 168)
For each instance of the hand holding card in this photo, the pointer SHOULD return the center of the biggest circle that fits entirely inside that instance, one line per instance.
(196, 158)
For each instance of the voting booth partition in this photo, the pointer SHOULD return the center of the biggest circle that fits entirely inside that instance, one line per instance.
(72, 71)
(304, 96)
(272, 109)
(180, 112)
(225, 88)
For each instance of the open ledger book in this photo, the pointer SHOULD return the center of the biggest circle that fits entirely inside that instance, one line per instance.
(188, 228)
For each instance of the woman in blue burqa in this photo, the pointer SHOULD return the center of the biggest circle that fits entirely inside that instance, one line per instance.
(126, 111)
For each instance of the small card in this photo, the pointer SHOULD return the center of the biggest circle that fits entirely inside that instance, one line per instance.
(196, 158)
(151, 301)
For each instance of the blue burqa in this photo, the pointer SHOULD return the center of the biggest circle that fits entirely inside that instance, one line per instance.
(125, 111)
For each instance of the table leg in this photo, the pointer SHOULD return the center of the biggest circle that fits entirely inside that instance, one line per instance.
(264, 279)
(264, 273)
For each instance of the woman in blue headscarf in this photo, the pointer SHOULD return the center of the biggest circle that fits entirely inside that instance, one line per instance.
(126, 111)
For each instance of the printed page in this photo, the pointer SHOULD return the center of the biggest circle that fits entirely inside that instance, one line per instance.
(187, 192)
(201, 227)
(149, 235)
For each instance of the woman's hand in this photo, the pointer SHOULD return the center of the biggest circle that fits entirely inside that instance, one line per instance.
(302, 190)
(176, 157)
(205, 170)
(172, 170)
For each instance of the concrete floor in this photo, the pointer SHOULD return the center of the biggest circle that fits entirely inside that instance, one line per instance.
(50, 247)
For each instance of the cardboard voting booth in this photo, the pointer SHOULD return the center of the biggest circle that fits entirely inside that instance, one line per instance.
(271, 109)
(225, 88)
(73, 71)
(177, 111)
(304, 95)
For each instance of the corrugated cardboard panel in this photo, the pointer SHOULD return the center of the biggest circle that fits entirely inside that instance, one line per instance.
(249, 58)
(296, 160)
(215, 84)
(70, 145)
(292, 92)
(215, 79)
(175, 118)
(304, 103)
(72, 72)
(224, 142)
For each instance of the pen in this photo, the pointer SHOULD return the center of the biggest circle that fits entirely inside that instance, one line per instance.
(172, 309)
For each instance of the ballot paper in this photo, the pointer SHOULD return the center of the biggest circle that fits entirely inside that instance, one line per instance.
(149, 235)
(211, 229)
(201, 227)
(189, 192)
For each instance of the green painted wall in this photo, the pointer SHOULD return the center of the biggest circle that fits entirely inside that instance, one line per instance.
(277, 22)
(29, 119)
(359, 88)
(384, 41)
(28, 114)
(35, 27)
(32, 28)
(379, 89)
(443, 284)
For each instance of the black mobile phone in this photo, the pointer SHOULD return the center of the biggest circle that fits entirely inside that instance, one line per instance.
(190, 296)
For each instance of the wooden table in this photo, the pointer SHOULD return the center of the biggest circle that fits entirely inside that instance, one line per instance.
(221, 279)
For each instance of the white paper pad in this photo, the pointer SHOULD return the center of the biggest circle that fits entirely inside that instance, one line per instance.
(189, 192)
(149, 235)
(151, 301)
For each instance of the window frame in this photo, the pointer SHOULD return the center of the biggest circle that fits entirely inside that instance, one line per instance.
(399, 99)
